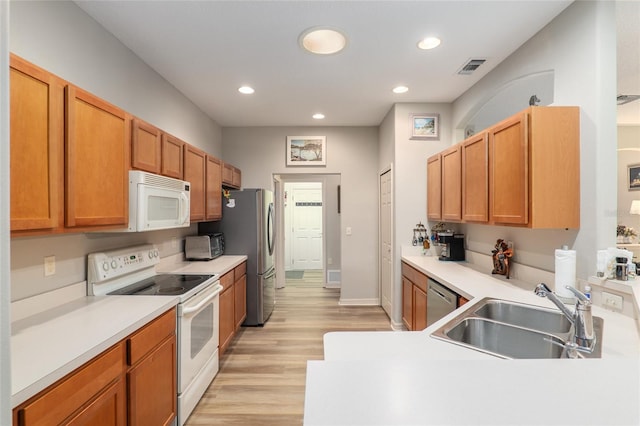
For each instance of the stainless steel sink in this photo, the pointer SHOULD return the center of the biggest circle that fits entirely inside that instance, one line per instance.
(505, 340)
(510, 330)
(537, 318)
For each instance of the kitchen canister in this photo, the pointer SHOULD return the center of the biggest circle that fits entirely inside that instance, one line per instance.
(565, 271)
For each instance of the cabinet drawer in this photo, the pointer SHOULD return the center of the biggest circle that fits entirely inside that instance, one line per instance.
(142, 341)
(239, 271)
(227, 280)
(63, 399)
(415, 276)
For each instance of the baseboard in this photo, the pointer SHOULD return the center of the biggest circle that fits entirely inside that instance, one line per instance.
(332, 285)
(359, 302)
(397, 326)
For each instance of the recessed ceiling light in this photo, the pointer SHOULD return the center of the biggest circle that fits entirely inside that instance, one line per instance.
(323, 41)
(246, 90)
(429, 43)
(400, 89)
(318, 116)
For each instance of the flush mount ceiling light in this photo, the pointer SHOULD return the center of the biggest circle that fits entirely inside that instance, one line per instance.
(318, 116)
(246, 90)
(429, 43)
(322, 41)
(400, 89)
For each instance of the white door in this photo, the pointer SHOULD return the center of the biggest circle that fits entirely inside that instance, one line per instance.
(386, 271)
(306, 247)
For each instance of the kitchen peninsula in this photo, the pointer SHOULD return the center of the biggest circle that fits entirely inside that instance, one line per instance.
(410, 378)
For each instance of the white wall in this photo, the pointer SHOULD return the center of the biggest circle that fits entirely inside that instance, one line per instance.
(628, 153)
(577, 47)
(352, 152)
(59, 37)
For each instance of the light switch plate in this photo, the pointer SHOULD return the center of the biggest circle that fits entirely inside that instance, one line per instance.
(49, 266)
(612, 301)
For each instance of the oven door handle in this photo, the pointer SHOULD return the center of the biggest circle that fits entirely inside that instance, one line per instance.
(205, 301)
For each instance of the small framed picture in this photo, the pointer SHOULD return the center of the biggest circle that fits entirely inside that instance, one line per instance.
(633, 176)
(425, 126)
(306, 150)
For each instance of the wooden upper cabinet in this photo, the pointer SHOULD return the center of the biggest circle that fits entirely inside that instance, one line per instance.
(231, 176)
(194, 173)
(36, 162)
(509, 171)
(172, 157)
(97, 150)
(452, 183)
(554, 171)
(145, 147)
(434, 188)
(475, 178)
(213, 200)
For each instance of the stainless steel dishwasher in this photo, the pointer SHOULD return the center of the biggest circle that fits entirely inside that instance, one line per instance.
(440, 301)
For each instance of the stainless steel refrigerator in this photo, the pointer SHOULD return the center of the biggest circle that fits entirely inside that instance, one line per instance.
(248, 230)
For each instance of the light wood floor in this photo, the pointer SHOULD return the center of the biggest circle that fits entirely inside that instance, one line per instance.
(262, 375)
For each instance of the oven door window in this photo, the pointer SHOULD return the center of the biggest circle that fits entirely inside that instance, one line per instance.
(201, 330)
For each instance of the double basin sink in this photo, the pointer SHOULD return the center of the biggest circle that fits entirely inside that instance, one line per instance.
(510, 330)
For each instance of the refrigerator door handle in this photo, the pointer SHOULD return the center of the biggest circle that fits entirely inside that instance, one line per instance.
(270, 230)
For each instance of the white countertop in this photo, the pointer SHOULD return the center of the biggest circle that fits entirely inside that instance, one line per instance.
(47, 346)
(220, 265)
(392, 378)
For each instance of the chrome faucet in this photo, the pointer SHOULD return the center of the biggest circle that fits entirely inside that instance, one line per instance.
(584, 335)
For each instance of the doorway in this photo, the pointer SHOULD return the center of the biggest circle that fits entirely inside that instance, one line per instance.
(308, 228)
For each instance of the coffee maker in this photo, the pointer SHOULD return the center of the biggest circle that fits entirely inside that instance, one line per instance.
(453, 246)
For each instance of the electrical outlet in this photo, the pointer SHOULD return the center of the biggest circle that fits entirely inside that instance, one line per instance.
(174, 242)
(612, 301)
(49, 266)
(348, 230)
(329, 261)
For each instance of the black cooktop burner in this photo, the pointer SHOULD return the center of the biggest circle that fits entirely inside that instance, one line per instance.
(163, 285)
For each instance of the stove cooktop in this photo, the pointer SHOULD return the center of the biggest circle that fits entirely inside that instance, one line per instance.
(164, 285)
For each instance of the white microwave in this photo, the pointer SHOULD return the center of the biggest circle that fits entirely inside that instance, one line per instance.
(157, 202)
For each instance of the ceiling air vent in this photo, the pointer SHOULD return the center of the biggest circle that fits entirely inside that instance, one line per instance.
(471, 66)
(625, 99)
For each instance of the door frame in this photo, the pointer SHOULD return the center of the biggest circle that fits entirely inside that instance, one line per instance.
(388, 169)
(279, 179)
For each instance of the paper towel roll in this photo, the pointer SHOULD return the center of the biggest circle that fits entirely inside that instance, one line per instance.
(565, 272)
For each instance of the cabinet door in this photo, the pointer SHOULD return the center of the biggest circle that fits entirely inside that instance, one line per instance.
(452, 183)
(419, 309)
(227, 318)
(475, 179)
(146, 144)
(434, 188)
(240, 300)
(152, 387)
(237, 178)
(97, 161)
(213, 201)
(36, 135)
(227, 174)
(194, 173)
(108, 409)
(407, 303)
(172, 157)
(509, 171)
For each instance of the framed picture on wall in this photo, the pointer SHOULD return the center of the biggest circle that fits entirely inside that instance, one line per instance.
(306, 150)
(425, 126)
(633, 177)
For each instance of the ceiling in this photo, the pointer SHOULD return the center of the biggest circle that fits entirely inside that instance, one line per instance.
(208, 49)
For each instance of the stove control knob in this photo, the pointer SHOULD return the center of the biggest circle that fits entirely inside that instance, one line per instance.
(150, 254)
(156, 253)
(114, 264)
(105, 266)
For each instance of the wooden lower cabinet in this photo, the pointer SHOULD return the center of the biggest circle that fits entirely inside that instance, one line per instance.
(233, 304)
(414, 298)
(132, 383)
(227, 319)
(95, 387)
